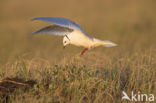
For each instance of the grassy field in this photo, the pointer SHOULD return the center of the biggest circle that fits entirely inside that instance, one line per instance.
(60, 75)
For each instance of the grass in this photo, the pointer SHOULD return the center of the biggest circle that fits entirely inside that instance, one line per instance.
(63, 76)
(76, 83)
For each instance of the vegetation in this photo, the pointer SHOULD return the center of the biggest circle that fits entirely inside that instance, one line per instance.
(35, 69)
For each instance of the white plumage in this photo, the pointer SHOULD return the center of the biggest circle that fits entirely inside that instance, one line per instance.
(72, 32)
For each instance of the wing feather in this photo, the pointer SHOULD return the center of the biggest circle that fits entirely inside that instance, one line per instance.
(55, 30)
(60, 21)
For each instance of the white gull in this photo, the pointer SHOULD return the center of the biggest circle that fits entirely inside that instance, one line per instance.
(72, 33)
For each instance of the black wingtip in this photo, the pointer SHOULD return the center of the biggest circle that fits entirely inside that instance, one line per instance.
(34, 19)
(34, 33)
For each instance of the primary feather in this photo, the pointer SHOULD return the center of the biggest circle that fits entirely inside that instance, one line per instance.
(55, 30)
(60, 21)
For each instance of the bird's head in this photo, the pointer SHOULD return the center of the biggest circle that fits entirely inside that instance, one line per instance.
(66, 41)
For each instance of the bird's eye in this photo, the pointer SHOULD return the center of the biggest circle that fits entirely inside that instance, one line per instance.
(64, 41)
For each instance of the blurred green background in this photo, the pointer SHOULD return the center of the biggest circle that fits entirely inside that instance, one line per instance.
(131, 24)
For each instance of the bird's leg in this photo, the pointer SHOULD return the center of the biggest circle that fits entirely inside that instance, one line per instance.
(84, 50)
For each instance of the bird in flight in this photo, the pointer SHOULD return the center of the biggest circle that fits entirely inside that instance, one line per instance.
(72, 33)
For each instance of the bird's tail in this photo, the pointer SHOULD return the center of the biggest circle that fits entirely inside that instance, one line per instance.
(104, 43)
(107, 43)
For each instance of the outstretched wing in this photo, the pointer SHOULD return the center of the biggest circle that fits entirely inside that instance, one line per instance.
(60, 21)
(55, 30)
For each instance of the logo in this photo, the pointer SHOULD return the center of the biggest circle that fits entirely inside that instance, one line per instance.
(137, 97)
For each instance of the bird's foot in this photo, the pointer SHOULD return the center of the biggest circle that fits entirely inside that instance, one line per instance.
(84, 50)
